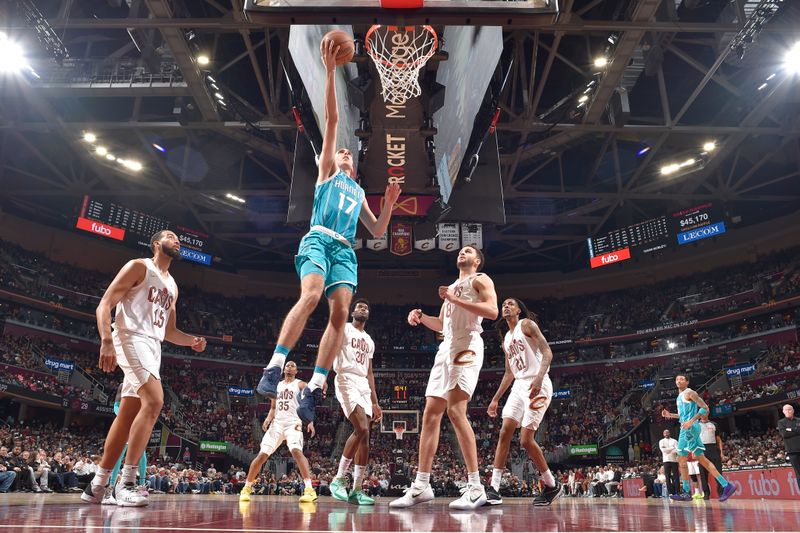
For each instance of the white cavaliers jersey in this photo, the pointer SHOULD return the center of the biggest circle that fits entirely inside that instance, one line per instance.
(357, 350)
(458, 322)
(524, 358)
(286, 401)
(145, 309)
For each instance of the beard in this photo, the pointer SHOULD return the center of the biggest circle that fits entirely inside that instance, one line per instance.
(172, 252)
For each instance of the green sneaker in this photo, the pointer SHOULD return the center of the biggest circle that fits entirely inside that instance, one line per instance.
(358, 497)
(339, 489)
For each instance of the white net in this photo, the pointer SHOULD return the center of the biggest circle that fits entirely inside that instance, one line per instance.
(399, 52)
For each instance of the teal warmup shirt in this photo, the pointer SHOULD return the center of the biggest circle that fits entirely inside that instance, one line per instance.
(337, 204)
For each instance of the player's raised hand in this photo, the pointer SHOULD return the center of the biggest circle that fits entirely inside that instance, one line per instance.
(492, 410)
(108, 357)
(392, 194)
(198, 344)
(446, 293)
(414, 317)
(329, 50)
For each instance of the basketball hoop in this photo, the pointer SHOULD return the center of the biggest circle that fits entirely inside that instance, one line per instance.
(398, 432)
(399, 53)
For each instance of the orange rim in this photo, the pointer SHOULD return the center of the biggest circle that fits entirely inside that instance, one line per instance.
(375, 56)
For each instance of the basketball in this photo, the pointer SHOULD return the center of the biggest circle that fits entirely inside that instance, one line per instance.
(344, 41)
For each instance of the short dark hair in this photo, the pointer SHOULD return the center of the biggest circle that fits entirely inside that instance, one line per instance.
(359, 301)
(479, 253)
(157, 236)
(685, 376)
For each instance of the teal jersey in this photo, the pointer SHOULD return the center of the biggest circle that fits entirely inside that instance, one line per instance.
(337, 204)
(686, 410)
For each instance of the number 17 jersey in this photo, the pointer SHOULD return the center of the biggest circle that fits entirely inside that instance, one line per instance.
(337, 205)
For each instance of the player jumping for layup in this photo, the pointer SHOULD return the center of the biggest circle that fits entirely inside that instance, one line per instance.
(325, 260)
(454, 375)
(528, 358)
(690, 408)
(145, 295)
(283, 424)
(355, 390)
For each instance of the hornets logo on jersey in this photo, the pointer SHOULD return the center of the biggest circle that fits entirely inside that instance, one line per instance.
(337, 205)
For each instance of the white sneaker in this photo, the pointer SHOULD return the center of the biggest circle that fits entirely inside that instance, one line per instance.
(472, 497)
(108, 498)
(127, 496)
(92, 494)
(142, 491)
(414, 495)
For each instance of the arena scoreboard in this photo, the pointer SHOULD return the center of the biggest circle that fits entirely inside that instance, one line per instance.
(113, 221)
(679, 228)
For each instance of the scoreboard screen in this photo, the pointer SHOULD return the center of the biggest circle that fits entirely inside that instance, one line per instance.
(114, 221)
(677, 229)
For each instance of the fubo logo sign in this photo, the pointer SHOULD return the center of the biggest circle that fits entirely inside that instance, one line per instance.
(104, 230)
(611, 257)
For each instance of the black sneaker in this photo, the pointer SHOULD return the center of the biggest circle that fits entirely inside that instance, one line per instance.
(492, 496)
(548, 495)
(308, 403)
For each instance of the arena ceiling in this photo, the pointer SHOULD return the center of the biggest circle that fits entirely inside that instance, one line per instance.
(568, 173)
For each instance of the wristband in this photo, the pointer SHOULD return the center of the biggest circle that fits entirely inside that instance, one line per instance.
(703, 411)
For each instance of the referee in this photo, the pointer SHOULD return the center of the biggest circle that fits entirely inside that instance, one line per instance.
(789, 428)
(714, 453)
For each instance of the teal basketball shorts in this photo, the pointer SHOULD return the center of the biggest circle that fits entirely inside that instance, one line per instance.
(335, 261)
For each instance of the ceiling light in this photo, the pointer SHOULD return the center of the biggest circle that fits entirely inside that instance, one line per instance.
(709, 146)
(159, 148)
(643, 150)
(101, 150)
(110, 157)
(601, 61)
(214, 86)
(219, 96)
(762, 86)
(688, 162)
(12, 59)
(669, 169)
(791, 61)
(209, 78)
(89, 137)
(203, 59)
(671, 345)
(133, 165)
(583, 98)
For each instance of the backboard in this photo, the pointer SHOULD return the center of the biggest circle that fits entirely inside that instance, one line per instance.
(508, 13)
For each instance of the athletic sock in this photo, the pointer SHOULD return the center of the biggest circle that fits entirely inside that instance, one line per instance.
(318, 379)
(248, 483)
(548, 478)
(278, 356)
(308, 483)
(344, 466)
(129, 474)
(423, 479)
(722, 481)
(474, 478)
(358, 476)
(687, 488)
(497, 476)
(100, 478)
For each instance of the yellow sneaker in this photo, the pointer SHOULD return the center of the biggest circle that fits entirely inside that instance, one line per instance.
(244, 496)
(309, 495)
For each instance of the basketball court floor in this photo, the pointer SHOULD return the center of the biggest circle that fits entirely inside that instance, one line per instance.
(218, 513)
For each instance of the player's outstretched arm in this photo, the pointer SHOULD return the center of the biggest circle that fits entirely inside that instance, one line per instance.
(377, 226)
(326, 157)
(505, 383)
(175, 336)
(417, 317)
(129, 276)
